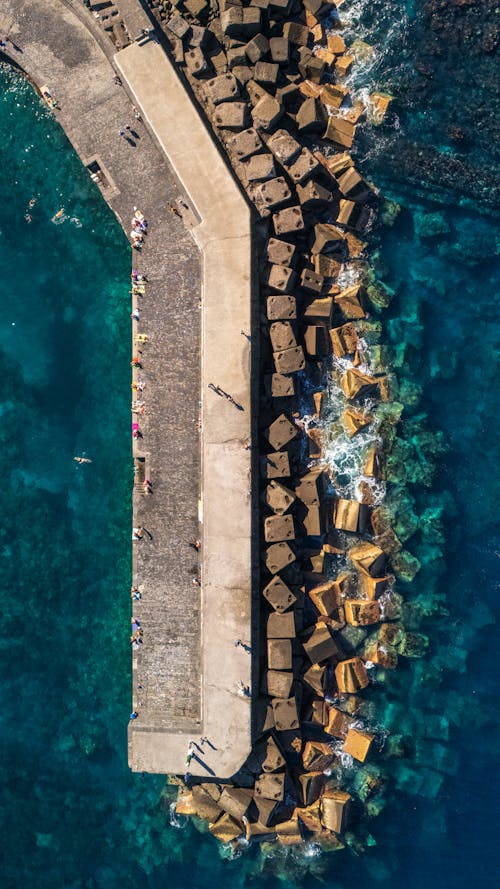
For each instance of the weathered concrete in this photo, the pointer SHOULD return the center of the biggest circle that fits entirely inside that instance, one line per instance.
(189, 689)
(224, 236)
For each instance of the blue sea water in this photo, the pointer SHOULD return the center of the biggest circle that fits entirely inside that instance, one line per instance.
(72, 815)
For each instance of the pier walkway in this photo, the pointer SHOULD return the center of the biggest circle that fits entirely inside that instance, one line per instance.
(188, 666)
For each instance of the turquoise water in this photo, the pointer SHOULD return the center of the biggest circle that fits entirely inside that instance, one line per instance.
(72, 814)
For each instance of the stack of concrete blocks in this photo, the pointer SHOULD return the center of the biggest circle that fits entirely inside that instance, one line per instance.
(269, 76)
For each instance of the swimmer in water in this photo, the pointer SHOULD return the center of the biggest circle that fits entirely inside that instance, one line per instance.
(28, 217)
(82, 459)
(31, 203)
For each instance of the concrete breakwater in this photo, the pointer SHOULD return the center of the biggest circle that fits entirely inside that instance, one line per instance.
(271, 79)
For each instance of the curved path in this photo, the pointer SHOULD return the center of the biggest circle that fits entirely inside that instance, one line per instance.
(188, 666)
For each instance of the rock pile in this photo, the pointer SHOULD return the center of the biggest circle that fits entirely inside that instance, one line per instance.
(270, 77)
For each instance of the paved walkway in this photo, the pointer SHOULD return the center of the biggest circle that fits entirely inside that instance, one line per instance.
(188, 665)
(224, 236)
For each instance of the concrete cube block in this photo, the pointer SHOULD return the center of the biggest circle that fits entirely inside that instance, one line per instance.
(266, 72)
(279, 652)
(280, 278)
(257, 48)
(284, 147)
(289, 360)
(311, 281)
(278, 528)
(259, 167)
(281, 307)
(282, 386)
(275, 465)
(282, 335)
(231, 115)
(222, 88)
(280, 50)
(266, 113)
(246, 143)
(304, 166)
(274, 193)
(288, 221)
(281, 626)
(279, 595)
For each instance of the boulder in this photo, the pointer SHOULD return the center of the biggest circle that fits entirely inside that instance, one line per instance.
(337, 723)
(311, 785)
(349, 515)
(316, 341)
(340, 131)
(238, 21)
(325, 597)
(288, 832)
(354, 421)
(317, 756)
(319, 310)
(281, 334)
(259, 167)
(311, 281)
(280, 50)
(267, 72)
(257, 48)
(343, 65)
(312, 195)
(327, 238)
(333, 95)
(266, 113)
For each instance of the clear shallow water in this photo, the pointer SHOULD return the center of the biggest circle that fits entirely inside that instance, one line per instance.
(72, 815)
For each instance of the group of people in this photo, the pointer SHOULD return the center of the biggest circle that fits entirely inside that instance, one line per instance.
(137, 633)
(139, 229)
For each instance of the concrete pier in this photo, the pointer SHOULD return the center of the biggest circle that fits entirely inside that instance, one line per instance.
(188, 666)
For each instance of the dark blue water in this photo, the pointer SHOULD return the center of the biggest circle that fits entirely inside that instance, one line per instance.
(72, 815)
